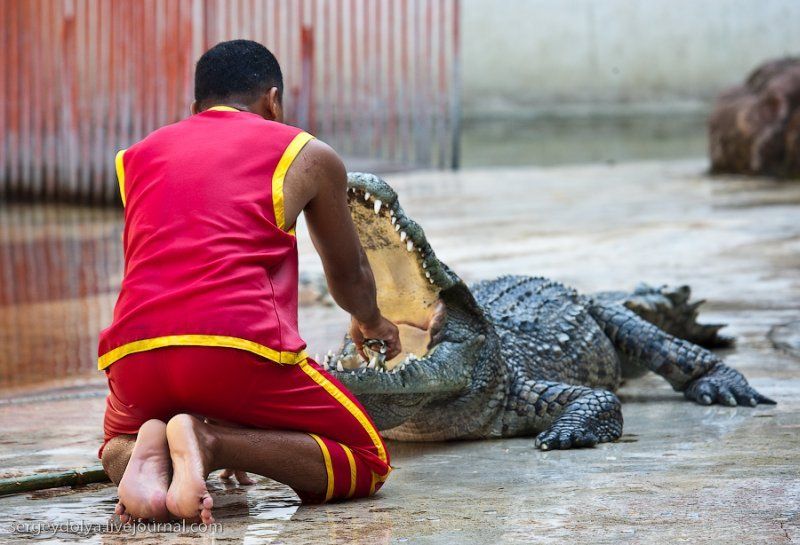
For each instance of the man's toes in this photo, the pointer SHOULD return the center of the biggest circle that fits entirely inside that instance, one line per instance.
(206, 517)
(205, 510)
(243, 478)
(120, 511)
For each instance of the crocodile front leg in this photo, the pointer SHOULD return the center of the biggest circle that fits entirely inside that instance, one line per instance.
(691, 369)
(562, 415)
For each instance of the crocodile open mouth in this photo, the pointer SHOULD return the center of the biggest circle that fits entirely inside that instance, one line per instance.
(408, 276)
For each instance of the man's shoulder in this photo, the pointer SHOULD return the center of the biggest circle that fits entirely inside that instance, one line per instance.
(318, 157)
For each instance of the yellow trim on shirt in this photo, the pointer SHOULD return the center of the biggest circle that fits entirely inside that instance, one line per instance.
(292, 150)
(222, 109)
(120, 174)
(286, 358)
(328, 465)
(352, 462)
(348, 404)
(372, 483)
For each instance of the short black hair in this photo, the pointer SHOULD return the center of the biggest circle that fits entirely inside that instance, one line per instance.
(236, 70)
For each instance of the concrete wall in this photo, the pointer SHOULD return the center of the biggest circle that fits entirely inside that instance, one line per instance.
(529, 56)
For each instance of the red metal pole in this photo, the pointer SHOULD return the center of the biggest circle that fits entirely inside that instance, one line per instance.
(455, 113)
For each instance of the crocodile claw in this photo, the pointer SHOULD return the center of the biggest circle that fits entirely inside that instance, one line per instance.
(725, 386)
(594, 417)
(565, 438)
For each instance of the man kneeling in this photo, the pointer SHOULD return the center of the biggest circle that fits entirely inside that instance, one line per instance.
(204, 360)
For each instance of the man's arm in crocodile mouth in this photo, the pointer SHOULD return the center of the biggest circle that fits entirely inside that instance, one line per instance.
(320, 192)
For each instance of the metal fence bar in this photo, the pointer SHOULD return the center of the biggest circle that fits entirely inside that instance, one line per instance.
(83, 78)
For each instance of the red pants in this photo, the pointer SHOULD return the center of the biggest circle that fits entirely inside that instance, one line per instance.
(240, 387)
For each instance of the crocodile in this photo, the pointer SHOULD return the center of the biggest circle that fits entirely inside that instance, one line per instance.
(518, 355)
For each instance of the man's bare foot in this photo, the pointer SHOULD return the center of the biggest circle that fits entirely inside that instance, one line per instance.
(241, 476)
(191, 449)
(143, 487)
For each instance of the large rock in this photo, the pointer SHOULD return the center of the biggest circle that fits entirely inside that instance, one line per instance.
(755, 127)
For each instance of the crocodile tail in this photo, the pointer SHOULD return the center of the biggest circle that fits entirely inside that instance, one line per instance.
(670, 309)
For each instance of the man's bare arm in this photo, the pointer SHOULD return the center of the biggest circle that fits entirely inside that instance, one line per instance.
(317, 184)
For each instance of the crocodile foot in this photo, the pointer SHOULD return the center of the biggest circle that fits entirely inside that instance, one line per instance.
(725, 386)
(594, 417)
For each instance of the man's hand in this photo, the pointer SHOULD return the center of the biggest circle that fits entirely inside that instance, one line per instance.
(381, 329)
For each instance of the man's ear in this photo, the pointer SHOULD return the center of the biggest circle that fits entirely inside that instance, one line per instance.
(194, 108)
(274, 104)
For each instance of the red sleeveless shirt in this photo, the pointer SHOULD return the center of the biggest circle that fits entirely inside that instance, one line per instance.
(209, 260)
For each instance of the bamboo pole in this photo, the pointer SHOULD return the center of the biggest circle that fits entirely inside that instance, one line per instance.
(40, 481)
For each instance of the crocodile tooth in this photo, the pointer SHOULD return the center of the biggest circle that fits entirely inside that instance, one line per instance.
(427, 274)
(339, 366)
(430, 280)
(367, 196)
(373, 363)
(391, 212)
(377, 206)
(424, 265)
(403, 236)
(410, 246)
(394, 220)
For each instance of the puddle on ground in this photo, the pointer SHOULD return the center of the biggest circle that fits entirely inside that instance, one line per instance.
(248, 515)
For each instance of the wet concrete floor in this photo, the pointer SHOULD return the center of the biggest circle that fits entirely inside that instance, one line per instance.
(681, 472)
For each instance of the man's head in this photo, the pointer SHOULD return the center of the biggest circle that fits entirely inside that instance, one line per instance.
(240, 73)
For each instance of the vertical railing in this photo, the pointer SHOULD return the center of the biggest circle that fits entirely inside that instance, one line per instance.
(82, 78)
